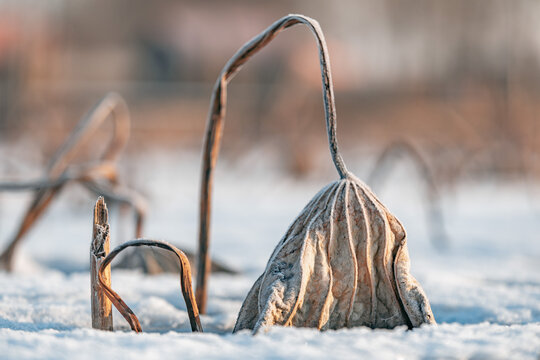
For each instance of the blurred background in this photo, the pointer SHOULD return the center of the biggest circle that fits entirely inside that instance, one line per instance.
(453, 85)
(459, 79)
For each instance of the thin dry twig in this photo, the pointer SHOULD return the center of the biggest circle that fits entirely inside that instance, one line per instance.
(214, 129)
(185, 283)
(62, 170)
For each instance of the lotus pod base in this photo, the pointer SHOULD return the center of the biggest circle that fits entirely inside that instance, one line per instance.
(342, 263)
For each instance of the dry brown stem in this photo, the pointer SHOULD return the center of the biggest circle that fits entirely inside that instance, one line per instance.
(62, 170)
(185, 283)
(214, 129)
(99, 249)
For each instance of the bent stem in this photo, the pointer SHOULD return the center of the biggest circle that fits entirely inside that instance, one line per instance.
(214, 128)
(185, 283)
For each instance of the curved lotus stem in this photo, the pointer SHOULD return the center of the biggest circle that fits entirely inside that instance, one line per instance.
(214, 128)
(435, 219)
(185, 282)
(57, 170)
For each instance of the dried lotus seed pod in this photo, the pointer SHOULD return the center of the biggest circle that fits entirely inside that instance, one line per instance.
(344, 260)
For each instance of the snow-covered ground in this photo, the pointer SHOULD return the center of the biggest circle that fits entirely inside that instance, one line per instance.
(484, 289)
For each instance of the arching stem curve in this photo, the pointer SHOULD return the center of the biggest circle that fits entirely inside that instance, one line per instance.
(214, 129)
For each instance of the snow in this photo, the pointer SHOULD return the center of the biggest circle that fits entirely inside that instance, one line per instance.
(484, 289)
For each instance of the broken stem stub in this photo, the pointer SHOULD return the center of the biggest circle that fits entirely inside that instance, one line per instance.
(99, 249)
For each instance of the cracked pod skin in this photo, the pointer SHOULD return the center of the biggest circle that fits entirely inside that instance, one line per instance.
(342, 263)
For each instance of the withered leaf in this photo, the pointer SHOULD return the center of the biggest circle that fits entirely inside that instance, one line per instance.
(342, 263)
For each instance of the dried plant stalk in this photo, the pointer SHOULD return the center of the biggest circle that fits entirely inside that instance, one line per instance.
(99, 249)
(383, 164)
(214, 130)
(185, 283)
(344, 261)
(61, 169)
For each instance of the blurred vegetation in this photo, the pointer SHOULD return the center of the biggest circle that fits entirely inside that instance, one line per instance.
(460, 79)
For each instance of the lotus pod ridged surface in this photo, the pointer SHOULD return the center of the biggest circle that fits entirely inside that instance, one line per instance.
(342, 263)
